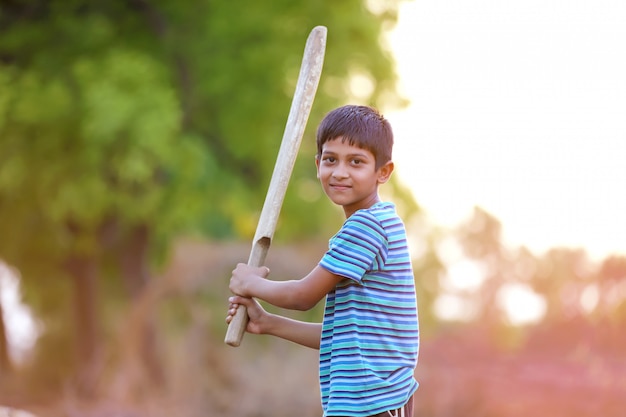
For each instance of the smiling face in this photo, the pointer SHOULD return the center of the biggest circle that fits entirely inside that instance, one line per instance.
(349, 176)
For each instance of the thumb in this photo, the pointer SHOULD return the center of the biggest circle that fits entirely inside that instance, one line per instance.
(263, 271)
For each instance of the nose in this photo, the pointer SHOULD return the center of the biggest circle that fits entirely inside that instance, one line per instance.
(340, 171)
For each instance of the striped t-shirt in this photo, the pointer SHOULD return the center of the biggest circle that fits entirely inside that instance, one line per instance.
(370, 337)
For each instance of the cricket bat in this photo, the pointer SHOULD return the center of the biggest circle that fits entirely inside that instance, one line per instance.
(308, 80)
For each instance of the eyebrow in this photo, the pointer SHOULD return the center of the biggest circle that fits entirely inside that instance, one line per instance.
(350, 155)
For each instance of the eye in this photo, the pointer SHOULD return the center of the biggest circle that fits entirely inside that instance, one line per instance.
(356, 161)
(329, 159)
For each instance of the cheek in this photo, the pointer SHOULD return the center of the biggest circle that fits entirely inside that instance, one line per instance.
(322, 173)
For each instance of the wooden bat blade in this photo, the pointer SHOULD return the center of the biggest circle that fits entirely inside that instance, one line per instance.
(308, 80)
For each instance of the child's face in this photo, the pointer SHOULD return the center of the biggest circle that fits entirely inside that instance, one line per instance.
(349, 176)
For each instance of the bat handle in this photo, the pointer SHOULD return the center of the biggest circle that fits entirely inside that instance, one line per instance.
(237, 327)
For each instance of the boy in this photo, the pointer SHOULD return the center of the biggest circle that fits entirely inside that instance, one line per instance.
(369, 337)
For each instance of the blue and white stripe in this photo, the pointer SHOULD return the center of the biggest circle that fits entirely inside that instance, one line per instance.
(370, 336)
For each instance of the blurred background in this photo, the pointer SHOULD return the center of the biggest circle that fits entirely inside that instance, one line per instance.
(137, 140)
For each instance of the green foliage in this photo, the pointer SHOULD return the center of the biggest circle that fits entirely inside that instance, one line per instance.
(164, 116)
(169, 115)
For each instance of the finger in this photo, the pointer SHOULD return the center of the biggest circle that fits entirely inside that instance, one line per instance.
(236, 299)
(263, 271)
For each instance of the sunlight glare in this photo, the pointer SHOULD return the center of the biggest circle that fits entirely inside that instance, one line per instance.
(452, 307)
(21, 329)
(520, 304)
(589, 298)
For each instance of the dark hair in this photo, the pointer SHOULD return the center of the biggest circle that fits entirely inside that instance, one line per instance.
(362, 126)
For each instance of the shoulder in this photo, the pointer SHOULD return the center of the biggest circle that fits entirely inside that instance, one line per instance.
(380, 216)
(363, 225)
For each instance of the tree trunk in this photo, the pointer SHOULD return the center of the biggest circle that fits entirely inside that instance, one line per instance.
(136, 274)
(84, 273)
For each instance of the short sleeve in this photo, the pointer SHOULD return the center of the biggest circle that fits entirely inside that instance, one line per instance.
(360, 246)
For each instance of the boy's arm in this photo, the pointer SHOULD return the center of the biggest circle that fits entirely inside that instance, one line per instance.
(302, 294)
(262, 322)
(300, 332)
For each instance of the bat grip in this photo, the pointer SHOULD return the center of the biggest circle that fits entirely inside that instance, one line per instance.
(237, 327)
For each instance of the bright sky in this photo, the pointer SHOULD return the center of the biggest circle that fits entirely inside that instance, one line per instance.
(518, 107)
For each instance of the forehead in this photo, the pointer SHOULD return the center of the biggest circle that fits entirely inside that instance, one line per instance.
(341, 146)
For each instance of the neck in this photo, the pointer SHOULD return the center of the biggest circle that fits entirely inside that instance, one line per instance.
(350, 210)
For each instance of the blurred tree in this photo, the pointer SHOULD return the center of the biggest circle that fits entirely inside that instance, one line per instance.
(125, 123)
(561, 276)
(481, 240)
(611, 289)
(574, 290)
(427, 268)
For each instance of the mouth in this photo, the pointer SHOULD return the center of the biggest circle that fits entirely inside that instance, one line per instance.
(340, 187)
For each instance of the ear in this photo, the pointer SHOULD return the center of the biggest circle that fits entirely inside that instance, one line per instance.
(317, 166)
(384, 172)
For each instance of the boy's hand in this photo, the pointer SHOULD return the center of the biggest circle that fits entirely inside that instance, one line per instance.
(244, 276)
(256, 313)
